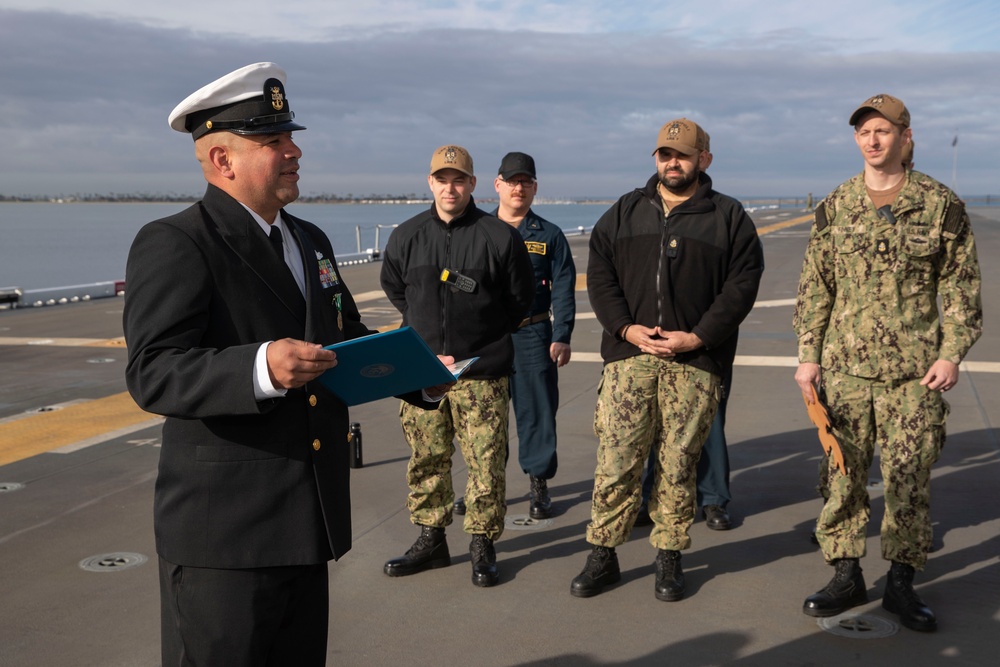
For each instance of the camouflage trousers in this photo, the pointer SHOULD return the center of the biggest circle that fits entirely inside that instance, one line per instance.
(474, 413)
(636, 398)
(906, 421)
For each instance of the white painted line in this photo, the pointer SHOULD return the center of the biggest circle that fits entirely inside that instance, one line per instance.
(792, 362)
(774, 303)
(369, 296)
(104, 437)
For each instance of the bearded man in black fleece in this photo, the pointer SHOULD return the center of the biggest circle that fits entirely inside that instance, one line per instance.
(674, 269)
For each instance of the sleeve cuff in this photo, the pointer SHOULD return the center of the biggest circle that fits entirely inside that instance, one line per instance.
(262, 387)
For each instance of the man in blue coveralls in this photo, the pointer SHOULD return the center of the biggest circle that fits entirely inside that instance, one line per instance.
(541, 344)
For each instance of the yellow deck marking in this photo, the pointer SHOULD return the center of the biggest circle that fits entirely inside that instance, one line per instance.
(41, 341)
(767, 229)
(45, 431)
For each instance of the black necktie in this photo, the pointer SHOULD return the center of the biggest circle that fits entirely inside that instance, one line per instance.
(276, 242)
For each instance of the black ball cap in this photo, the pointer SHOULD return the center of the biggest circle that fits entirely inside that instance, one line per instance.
(514, 164)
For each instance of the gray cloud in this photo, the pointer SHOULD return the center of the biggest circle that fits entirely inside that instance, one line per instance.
(87, 99)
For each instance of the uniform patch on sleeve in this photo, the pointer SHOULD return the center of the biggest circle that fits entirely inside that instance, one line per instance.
(536, 247)
(821, 221)
(953, 217)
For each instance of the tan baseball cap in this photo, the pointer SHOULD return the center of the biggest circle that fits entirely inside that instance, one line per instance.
(682, 135)
(452, 157)
(887, 105)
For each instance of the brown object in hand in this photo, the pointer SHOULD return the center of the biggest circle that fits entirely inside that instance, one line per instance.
(819, 416)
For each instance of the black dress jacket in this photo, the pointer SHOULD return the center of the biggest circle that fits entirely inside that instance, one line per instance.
(242, 483)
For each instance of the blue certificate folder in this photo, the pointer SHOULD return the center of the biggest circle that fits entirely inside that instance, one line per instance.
(386, 364)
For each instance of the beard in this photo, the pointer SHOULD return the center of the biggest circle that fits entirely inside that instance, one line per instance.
(679, 184)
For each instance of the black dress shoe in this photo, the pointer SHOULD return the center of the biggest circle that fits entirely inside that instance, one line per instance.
(601, 570)
(669, 576)
(541, 504)
(845, 590)
(643, 518)
(901, 599)
(459, 507)
(484, 562)
(428, 552)
(716, 517)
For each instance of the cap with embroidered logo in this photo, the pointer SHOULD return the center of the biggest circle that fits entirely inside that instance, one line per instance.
(892, 108)
(250, 100)
(682, 135)
(452, 157)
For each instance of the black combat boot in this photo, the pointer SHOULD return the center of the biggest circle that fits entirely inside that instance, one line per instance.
(900, 598)
(541, 504)
(428, 552)
(601, 570)
(669, 576)
(484, 562)
(845, 590)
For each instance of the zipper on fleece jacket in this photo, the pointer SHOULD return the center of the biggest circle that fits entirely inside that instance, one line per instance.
(660, 264)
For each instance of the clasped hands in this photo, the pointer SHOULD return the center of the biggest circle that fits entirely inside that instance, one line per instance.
(661, 343)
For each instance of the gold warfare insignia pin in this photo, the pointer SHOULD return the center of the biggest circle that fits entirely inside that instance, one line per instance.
(536, 247)
(277, 98)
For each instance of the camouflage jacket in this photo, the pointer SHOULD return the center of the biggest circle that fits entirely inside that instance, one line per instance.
(867, 298)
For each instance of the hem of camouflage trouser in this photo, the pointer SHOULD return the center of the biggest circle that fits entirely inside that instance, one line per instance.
(840, 556)
(606, 546)
(898, 558)
(681, 546)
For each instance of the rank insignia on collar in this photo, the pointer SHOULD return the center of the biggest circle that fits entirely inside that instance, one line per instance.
(319, 255)
(882, 246)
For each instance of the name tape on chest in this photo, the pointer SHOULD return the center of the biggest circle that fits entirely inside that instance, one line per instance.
(536, 247)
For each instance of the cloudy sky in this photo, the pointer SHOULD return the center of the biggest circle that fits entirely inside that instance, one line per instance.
(583, 85)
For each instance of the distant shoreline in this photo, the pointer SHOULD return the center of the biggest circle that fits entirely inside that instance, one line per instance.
(300, 200)
(755, 202)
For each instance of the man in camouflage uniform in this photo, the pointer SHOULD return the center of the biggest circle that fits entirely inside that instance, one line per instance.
(674, 268)
(824, 464)
(885, 245)
(463, 280)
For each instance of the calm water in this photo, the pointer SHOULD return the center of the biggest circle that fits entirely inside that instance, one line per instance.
(55, 245)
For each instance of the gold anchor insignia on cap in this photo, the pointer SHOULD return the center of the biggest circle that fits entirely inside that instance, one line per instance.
(877, 101)
(450, 155)
(277, 98)
(674, 131)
